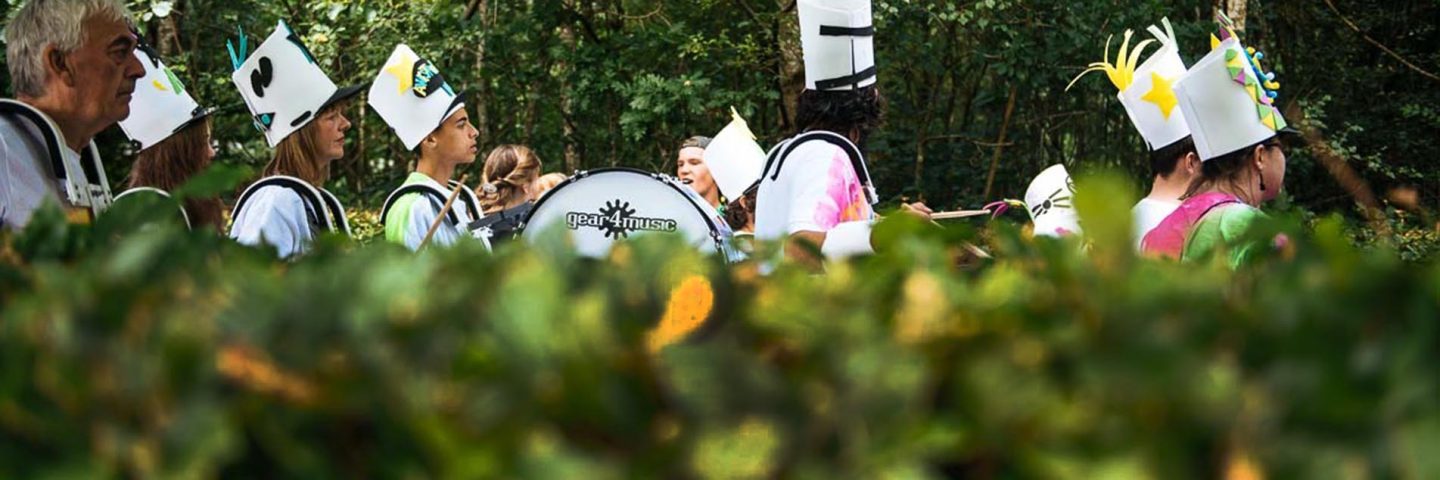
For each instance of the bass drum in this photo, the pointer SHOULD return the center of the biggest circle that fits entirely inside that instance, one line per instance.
(597, 208)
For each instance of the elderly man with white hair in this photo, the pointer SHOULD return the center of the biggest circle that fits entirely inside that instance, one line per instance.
(73, 69)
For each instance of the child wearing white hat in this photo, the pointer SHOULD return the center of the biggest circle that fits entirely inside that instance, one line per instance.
(1150, 102)
(1229, 103)
(429, 117)
(301, 113)
(172, 131)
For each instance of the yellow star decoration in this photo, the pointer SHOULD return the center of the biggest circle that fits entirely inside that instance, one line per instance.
(404, 71)
(1161, 94)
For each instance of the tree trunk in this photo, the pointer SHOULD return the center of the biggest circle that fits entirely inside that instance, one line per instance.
(567, 103)
(481, 99)
(1236, 10)
(792, 64)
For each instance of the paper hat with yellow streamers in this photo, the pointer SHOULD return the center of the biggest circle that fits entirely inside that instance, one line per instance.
(1146, 90)
(1228, 100)
(734, 159)
(412, 96)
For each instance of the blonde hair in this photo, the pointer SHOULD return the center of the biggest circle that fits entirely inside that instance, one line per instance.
(296, 155)
(548, 181)
(172, 162)
(508, 170)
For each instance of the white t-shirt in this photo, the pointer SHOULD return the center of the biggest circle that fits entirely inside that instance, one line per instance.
(276, 216)
(25, 177)
(817, 191)
(1148, 214)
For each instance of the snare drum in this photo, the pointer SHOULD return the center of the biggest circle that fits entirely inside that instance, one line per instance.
(597, 208)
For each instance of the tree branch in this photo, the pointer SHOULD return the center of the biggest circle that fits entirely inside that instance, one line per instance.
(1372, 41)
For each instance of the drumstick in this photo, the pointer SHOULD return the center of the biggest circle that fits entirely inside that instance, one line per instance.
(454, 194)
(958, 214)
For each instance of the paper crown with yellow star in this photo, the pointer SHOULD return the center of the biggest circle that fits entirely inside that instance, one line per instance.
(1228, 100)
(1146, 89)
(412, 96)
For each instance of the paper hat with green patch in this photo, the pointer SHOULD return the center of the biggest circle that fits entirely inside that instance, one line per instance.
(1146, 90)
(281, 83)
(412, 96)
(734, 159)
(838, 40)
(1051, 200)
(161, 106)
(1228, 100)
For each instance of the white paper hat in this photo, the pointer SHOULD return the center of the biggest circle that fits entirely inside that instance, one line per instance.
(281, 84)
(160, 106)
(1051, 200)
(412, 96)
(1227, 99)
(734, 159)
(1146, 90)
(838, 40)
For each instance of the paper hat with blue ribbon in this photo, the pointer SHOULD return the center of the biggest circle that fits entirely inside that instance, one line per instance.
(412, 96)
(160, 106)
(1228, 100)
(282, 84)
(838, 39)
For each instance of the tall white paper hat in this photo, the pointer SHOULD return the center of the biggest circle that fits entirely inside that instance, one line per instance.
(838, 40)
(1146, 90)
(412, 96)
(1050, 199)
(281, 83)
(734, 159)
(1228, 100)
(161, 106)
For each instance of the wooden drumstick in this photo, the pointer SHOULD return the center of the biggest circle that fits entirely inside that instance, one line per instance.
(454, 194)
(958, 214)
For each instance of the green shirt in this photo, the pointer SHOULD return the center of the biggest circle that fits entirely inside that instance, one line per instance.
(1224, 227)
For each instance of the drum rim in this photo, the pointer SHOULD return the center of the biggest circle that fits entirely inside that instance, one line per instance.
(666, 179)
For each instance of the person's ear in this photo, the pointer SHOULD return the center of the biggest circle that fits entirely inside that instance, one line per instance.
(1259, 158)
(1192, 163)
(58, 65)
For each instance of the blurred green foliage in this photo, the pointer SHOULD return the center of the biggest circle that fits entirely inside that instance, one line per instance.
(151, 352)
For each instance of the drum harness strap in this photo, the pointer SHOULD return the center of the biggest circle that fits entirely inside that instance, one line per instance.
(435, 196)
(152, 190)
(321, 208)
(96, 188)
(776, 159)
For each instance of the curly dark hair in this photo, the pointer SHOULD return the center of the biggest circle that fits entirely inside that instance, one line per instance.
(841, 111)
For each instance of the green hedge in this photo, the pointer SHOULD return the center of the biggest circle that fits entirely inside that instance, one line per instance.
(154, 353)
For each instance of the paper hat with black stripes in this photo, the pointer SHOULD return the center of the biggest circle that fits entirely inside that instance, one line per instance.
(281, 83)
(160, 106)
(838, 39)
(412, 96)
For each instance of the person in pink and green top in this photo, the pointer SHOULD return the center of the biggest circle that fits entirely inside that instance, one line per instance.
(1229, 103)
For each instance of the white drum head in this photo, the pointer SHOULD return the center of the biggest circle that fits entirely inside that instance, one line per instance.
(603, 206)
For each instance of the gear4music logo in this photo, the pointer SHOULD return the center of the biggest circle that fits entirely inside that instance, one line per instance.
(617, 219)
